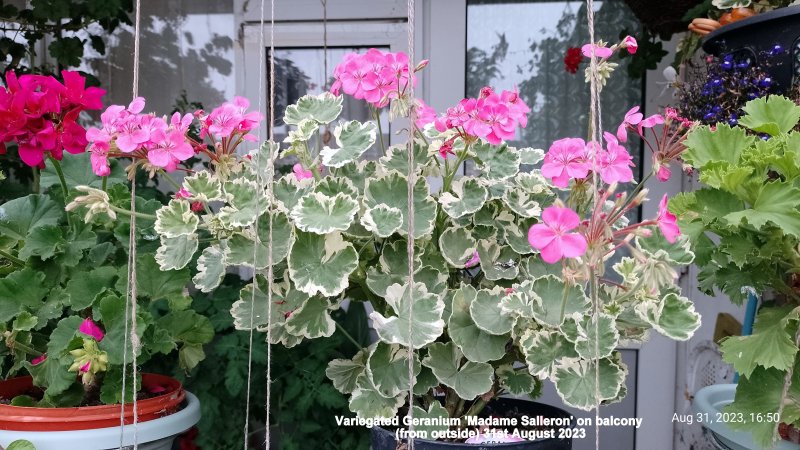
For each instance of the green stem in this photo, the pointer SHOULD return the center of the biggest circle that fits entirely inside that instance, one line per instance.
(36, 177)
(135, 214)
(64, 188)
(348, 336)
(105, 184)
(29, 350)
(12, 258)
(377, 117)
(170, 180)
(476, 408)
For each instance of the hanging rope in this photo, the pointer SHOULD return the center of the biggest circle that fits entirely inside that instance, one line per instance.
(412, 179)
(256, 239)
(130, 292)
(270, 281)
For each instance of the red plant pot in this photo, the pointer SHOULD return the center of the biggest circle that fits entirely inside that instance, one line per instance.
(24, 418)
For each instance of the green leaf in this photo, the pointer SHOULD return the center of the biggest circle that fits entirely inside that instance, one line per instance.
(203, 187)
(211, 268)
(112, 311)
(410, 305)
(323, 108)
(289, 190)
(545, 350)
(157, 284)
(656, 246)
(487, 313)
(529, 195)
(498, 262)
(190, 355)
(188, 327)
(530, 155)
(673, 316)
(497, 162)
(382, 220)
(770, 346)
(436, 414)
(476, 344)
(468, 380)
(331, 186)
(387, 368)
(321, 214)
(555, 297)
(777, 203)
(723, 144)
(367, 402)
(593, 338)
(772, 114)
(20, 289)
(240, 245)
(77, 170)
(176, 219)
(353, 138)
(246, 202)
(345, 372)
(321, 263)
(25, 321)
(61, 336)
(312, 320)
(514, 381)
(111, 389)
(21, 444)
(468, 197)
(85, 289)
(457, 246)
(253, 306)
(53, 374)
(21, 215)
(388, 190)
(175, 253)
(575, 382)
(43, 242)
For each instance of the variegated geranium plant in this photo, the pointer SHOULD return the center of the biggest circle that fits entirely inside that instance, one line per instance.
(507, 265)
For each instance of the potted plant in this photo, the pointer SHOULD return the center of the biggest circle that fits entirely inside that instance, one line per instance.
(63, 286)
(505, 271)
(743, 225)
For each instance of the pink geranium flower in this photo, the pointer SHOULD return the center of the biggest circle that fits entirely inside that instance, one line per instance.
(39, 359)
(182, 193)
(99, 161)
(616, 162)
(169, 149)
(89, 328)
(473, 261)
(566, 159)
(553, 238)
(667, 222)
(663, 173)
(630, 44)
(86, 367)
(650, 122)
(301, 173)
(599, 51)
(446, 149)
(425, 114)
(632, 118)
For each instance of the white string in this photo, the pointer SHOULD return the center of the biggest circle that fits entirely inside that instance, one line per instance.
(595, 124)
(270, 281)
(412, 177)
(130, 292)
(255, 238)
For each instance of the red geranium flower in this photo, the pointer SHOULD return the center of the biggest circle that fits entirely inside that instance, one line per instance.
(572, 60)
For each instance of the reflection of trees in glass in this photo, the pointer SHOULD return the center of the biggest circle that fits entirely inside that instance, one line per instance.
(482, 66)
(291, 83)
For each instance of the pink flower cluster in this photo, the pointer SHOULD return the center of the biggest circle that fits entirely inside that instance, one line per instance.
(374, 76)
(492, 116)
(40, 114)
(571, 158)
(164, 143)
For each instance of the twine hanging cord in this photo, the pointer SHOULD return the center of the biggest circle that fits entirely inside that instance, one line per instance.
(412, 177)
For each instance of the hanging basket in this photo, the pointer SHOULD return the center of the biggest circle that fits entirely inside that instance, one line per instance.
(662, 17)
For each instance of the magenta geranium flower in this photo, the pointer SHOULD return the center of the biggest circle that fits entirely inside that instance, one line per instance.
(300, 172)
(566, 159)
(89, 328)
(39, 359)
(632, 118)
(667, 222)
(615, 162)
(553, 238)
(630, 44)
(425, 114)
(473, 261)
(169, 149)
(599, 51)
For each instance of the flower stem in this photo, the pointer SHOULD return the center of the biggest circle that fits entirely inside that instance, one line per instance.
(134, 213)
(348, 336)
(12, 258)
(170, 180)
(35, 187)
(380, 130)
(64, 188)
(105, 183)
(29, 350)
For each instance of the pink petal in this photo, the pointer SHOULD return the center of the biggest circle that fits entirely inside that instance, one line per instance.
(551, 253)
(565, 218)
(540, 236)
(573, 245)
(88, 327)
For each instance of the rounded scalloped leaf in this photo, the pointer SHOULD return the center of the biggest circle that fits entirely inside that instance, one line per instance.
(323, 108)
(416, 306)
(353, 138)
(387, 368)
(321, 263)
(575, 382)
(211, 268)
(673, 316)
(396, 157)
(457, 246)
(521, 302)
(390, 190)
(382, 220)
(241, 250)
(203, 187)
(468, 380)
(657, 246)
(367, 402)
(321, 214)
(476, 344)
(253, 305)
(544, 350)
(468, 197)
(345, 372)
(431, 420)
(245, 202)
(593, 339)
(176, 219)
(497, 162)
(498, 262)
(175, 253)
(529, 155)
(289, 190)
(358, 173)
(516, 382)
(487, 313)
(311, 320)
(557, 297)
(516, 235)
(331, 186)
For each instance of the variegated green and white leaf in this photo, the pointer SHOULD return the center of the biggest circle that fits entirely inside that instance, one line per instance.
(559, 300)
(592, 339)
(211, 268)
(203, 187)
(387, 368)
(436, 414)
(312, 319)
(425, 381)
(521, 302)
(323, 108)
(246, 202)
(353, 138)
(575, 382)
(498, 262)
(468, 196)
(530, 155)
(497, 162)
(321, 263)
(425, 316)
(250, 311)
(358, 173)
(243, 250)
(345, 372)
(396, 157)
(388, 190)
(529, 195)
(321, 214)
(331, 186)
(533, 267)
(476, 344)
(303, 132)
(516, 235)
(544, 350)
(657, 246)
(673, 316)
(457, 246)
(176, 219)
(516, 382)
(487, 313)
(382, 220)
(289, 190)
(175, 253)
(468, 380)
(367, 402)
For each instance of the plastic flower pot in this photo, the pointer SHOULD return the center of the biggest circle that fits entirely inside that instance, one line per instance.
(754, 37)
(160, 419)
(383, 439)
(710, 401)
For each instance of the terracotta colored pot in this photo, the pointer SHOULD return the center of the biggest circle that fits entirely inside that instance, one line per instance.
(23, 418)
(703, 26)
